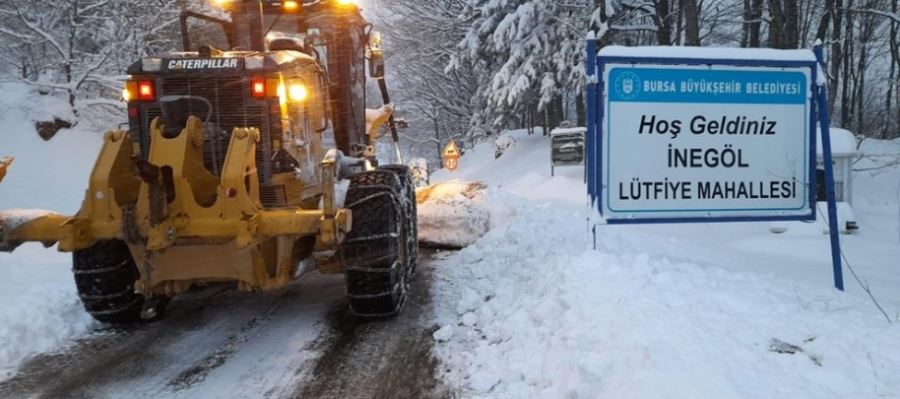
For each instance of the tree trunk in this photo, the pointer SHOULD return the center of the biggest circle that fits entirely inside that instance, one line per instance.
(791, 24)
(847, 73)
(663, 23)
(776, 24)
(581, 109)
(691, 22)
(861, 86)
(437, 137)
(836, 54)
(784, 27)
(756, 25)
(745, 27)
(891, 127)
(554, 114)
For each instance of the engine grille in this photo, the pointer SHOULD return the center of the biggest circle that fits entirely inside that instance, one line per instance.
(230, 109)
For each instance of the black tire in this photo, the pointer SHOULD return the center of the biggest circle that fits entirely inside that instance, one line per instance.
(409, 193)
(105, 275)
(374, 255)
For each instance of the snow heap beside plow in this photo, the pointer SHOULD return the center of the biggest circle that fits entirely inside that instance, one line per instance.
(39, 308)
(532, 310)
(455, 214)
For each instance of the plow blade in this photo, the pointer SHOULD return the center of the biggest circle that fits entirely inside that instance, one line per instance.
(20, 226)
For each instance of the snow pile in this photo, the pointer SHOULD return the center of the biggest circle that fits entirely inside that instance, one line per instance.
(536, 315)
(455, 214)
(39, 306)
(503, 143)
(44, 317)
(821, 225)
(677, 311)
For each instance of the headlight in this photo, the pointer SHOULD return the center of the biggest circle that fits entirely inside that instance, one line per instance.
(130, 91)
(253, 63)
(151, 64)
(298, 92)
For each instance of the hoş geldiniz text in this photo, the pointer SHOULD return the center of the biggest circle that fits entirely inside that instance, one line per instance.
(720, 156)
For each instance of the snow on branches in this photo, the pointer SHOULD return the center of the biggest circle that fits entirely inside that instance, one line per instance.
(81, 47)
(526, 53)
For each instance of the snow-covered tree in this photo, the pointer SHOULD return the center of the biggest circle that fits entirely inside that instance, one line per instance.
(420, 39)
(82, 47)
(528, 55)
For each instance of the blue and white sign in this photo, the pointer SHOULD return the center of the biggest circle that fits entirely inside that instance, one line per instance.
(689, 134)
(682, 142)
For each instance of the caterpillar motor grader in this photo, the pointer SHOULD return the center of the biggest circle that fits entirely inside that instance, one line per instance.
(228, 170)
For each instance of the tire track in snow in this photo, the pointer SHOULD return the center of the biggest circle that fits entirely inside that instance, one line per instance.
(200, 371)
(220, 343)
(376, 359)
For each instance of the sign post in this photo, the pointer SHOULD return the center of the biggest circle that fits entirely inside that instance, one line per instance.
(825, 124)
(699, 135)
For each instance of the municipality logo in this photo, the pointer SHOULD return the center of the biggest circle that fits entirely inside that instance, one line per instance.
(628, 86)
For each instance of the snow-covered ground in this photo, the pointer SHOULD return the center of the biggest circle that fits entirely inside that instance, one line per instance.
(678, 311)
(39, 308)
(531, 309)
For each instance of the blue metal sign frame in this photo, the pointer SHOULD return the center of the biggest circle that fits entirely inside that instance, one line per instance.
(596, 117)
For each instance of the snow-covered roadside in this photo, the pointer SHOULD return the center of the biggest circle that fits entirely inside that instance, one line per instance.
(39, 307)
(536, 315)
(531, 311)
(456, 214)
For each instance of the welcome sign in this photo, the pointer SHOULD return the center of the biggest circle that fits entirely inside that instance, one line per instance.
(689, 134)
(691, 140)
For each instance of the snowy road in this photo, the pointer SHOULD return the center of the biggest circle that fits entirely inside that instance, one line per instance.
(298, 343)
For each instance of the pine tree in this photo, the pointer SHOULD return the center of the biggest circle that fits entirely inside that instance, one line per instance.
(527, 54)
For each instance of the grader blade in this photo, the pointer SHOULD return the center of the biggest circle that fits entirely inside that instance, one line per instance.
(20, 226)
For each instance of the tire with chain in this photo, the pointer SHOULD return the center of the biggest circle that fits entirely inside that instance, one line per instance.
(105, 275)
(375, 259)
(409, 193)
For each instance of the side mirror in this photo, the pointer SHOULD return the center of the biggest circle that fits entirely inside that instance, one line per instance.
(376, 64)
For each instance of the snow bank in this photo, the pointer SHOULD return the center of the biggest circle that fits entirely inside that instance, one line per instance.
(39, 307)
(455, 214)
(673, 311)
(532, 313)
(42, 313)
(503, 143)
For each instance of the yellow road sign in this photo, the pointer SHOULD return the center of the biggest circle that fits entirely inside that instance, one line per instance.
(451, 156)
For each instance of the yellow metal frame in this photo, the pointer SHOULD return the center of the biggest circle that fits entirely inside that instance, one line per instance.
(182, 224)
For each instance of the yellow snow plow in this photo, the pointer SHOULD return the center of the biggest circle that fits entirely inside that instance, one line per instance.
(227, 171)
(183, 225)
